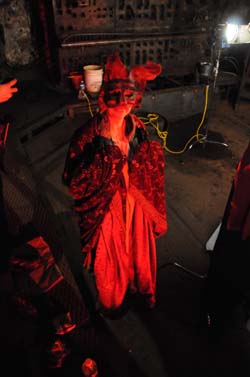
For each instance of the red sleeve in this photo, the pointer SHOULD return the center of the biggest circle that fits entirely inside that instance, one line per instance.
(93, 186)
(147, 180)
(98, 174)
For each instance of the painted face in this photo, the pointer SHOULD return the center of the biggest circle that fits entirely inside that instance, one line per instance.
(120, 93)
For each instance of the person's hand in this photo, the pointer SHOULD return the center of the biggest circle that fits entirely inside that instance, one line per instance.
(7, 90)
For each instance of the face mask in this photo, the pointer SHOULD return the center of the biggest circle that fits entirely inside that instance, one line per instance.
(119, 93)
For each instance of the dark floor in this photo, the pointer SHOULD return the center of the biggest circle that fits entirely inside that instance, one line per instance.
(171, 340)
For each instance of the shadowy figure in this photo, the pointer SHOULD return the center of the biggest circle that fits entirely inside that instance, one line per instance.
(6, 92)
(29, 276)
(228, 283)
(116, 176)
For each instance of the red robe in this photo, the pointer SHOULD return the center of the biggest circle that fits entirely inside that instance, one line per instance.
(121, 206)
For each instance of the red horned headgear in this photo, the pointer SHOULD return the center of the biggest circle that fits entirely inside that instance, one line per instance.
(116, 71)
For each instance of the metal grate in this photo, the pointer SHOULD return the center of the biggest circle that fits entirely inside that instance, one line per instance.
(129, 15)
(173, 33)
(169, 50)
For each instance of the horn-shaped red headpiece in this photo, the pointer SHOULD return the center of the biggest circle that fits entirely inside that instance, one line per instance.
(115, 70)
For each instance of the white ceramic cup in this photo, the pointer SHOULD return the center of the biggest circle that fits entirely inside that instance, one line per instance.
(93, 78)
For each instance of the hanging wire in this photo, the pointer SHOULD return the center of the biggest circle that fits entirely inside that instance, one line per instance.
(152, 119)
(89, 105)
(83, 95)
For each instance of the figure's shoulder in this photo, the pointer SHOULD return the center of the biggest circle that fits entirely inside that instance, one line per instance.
(85, 127)
(87, 131)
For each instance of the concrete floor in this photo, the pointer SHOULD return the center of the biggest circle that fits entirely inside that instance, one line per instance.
(173, 339)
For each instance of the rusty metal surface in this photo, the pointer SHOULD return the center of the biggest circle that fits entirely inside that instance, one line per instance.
(129, 15)
(167, 32)
(16, 39)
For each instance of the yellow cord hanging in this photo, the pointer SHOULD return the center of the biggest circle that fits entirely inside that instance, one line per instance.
(83, 95)
(152, 119)
(89, 105)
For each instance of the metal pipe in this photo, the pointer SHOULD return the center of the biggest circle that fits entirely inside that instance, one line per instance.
(122, 39)
(187, 270)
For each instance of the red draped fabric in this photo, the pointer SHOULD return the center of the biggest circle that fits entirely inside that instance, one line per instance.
(121, 205)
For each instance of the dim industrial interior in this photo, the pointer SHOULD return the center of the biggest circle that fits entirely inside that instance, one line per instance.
(203, 89)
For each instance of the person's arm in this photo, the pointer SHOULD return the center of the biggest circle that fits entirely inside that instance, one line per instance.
(98, 174)
(93, 186)
(7, 90)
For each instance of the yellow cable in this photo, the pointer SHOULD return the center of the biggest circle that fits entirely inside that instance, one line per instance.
(81, 95)
(89, 105)
(152, 119)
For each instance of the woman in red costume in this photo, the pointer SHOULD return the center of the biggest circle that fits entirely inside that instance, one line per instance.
(116, 176)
